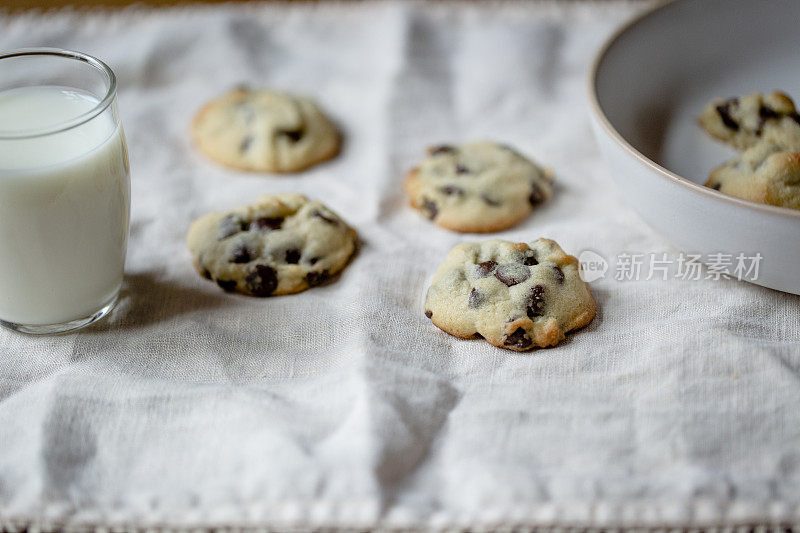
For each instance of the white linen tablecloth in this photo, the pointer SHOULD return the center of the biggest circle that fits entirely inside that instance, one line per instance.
(679, 405)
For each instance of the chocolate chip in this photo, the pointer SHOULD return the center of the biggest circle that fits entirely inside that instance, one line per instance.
(442, 149)
(530, 260)
(429, 314)
(485, 268)
(230, 225)
(537, 195)
(268, 223)
(477, 336)
(794, 115)
(511, 274)
(293, 135)
(518, 339)
(476, 298)
(206, 273)
(241, 254)
(559, 274)
(262, 281)
(245, 146)
(716, 186)
(313, 260)
(461, 169)
(765, 113)
(535, 304)
(293, 256)
(228, 285)
(724, 112)
(317, 278)
(319, 214)
(489, 200)
(429, 206)
(452, 190)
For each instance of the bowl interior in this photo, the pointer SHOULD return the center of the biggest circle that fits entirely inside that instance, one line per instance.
(657, 76)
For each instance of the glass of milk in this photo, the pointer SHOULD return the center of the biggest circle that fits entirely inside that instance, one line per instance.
(64, 191)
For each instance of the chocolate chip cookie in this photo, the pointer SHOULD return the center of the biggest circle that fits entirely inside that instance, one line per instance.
(282, 244)
(515, 295)
(745, 121)
(477, 187)
(765, 173)
(262, 130)
(767, 131)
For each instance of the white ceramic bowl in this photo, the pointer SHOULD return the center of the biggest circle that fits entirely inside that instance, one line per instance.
(647, 86)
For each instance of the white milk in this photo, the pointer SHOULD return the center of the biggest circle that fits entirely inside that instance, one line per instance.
(64, 207)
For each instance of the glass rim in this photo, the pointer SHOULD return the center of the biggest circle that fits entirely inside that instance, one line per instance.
(79, 119)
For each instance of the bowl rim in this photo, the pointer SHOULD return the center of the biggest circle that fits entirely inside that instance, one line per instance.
(604, 122)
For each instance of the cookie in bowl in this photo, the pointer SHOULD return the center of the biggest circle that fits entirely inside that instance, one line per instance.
(767, 131)
(748, 120)
(765, 173)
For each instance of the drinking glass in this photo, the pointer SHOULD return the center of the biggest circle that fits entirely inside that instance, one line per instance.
(64, 191)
